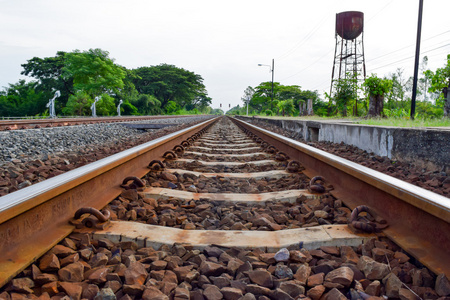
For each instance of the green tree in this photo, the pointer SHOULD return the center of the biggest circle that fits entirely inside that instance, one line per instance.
(147, 104)
(426, 110)
(128, 92)
(376, 89)
(7, 107)
(216, 111)
(423, 82)
(320, 107)
(290, 92)
(78, 104)
(345, 91)
(172, 107)
(262, 98)
(200, 102)
(128, 109)
(169, 83)
(397, 96)
(22, 99)
(440, 82)
(93, 72)
(286, 107)
(247, 98)
(48, 71)
(105, 105)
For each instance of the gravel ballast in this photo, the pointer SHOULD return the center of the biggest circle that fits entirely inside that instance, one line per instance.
(81, 267)
(33, 155)
(435, 181)
(36, 143)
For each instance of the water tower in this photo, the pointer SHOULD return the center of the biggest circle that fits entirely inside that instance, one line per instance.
(349, 50)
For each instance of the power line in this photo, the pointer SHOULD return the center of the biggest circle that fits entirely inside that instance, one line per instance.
(305, 39)
(308, 66)
(320, 84)
(311, 33)
(427, 50)
(409, 57)
(407, 46)
(383, 8)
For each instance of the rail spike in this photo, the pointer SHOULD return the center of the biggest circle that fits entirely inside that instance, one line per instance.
(135, 184)
(156, 165)
(271, 149)
(170, 155)
(365, 224)
(178, 149)
(293, 166)
(281, 156)
(316, 187)
(100, 221)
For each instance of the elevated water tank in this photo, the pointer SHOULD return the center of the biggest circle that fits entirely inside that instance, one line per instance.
(349, 24)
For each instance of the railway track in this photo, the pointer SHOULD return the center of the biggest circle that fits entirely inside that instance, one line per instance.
(16, 124)
(186, 228)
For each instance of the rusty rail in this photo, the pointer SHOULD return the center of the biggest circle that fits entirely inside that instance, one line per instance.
(419, 220)
(34, 219)
(40, 123)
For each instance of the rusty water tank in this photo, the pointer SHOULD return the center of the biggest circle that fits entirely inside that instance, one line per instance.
(349, 24)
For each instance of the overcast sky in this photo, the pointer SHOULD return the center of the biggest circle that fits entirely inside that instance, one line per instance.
(223, 41)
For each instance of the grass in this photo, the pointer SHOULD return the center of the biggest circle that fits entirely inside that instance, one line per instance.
(401, 122)
(393, 121)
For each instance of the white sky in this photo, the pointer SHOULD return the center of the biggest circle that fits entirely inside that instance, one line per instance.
(223, 41)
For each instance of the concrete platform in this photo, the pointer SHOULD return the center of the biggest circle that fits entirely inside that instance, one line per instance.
(282, 196)
(271, 241)
(424, 147)
(229, 164)
(274, 174)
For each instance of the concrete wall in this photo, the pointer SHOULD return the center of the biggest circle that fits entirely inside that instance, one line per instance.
(425, 147)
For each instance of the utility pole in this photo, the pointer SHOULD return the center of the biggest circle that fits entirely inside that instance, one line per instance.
(271, 70)
(416, 62)
(273, 66)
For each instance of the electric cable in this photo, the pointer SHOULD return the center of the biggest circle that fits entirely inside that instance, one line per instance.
(408, 57)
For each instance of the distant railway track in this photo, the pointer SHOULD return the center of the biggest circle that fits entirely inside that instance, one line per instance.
(15, 124)
(212, 160)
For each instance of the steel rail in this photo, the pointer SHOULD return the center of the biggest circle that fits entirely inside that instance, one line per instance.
(419, 220)
(34, 219)
(30, 123)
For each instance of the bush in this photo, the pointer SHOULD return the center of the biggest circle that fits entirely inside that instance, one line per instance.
(78, 104)
(172, 107)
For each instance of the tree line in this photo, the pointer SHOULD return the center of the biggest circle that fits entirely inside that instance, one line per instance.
(389, 96)
(81, 76)
(286, 100)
